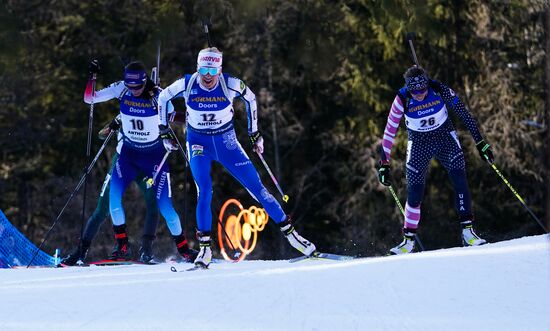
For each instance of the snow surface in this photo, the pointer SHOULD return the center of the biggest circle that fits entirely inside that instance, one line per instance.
(502, 286)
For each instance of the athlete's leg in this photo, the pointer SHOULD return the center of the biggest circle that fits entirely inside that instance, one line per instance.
(201, 152)
(78, 255)
(419, 155)
(200, 169)
(452, 158)
(163, 193)
(232, 156)
(102, 209)
(123, 173)
(151, 220)
(152, 211)
(148, 163)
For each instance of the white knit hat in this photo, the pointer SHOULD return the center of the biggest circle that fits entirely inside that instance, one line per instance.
(209, 58)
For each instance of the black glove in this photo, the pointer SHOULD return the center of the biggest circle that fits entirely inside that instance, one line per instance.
(485, 151)
(257, 142)
(384, 173)
(255, 136)
(115, 124)
(168, 140)
(93, 67)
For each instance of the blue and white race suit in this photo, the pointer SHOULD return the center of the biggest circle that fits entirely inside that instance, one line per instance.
(211, 137)
(142, 150)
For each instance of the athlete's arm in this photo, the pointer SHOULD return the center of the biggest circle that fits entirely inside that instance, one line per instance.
(451, 98)
(165, 107)
(392, 125)
(249, 98)
(112, 91)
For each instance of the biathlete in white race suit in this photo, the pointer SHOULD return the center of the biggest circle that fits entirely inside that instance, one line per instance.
(425, 104)
(142, 150)
(209, 96)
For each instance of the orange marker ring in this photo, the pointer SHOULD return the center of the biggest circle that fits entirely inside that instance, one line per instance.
(241, 236)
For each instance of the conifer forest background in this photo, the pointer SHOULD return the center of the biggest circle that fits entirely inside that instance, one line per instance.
(324, 73)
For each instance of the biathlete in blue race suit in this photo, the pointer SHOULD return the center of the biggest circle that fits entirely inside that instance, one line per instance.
(142, 151)
(209, 96)
(425, 104)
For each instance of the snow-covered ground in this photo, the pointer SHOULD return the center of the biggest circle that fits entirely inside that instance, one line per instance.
(502, 286)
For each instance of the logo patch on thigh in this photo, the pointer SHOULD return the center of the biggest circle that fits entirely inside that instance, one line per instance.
(197, 150)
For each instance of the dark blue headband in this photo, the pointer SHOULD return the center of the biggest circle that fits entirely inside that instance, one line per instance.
(135, 77)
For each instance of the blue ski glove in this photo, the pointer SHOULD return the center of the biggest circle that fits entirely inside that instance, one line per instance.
(485, 151)
(384, 173)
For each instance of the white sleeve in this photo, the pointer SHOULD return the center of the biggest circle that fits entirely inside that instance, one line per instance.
(249, 99)
(113, 91)
(165, 107)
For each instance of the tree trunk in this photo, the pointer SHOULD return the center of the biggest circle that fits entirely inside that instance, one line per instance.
(547, 113)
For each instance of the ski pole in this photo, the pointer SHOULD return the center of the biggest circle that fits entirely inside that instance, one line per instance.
(205, 23)
(410, 37)
(155, 72)
(151, 181)
(189, 165)
(82, 180)
(88, 148)
(185, 196)
(157, 82)
(156, 79)
(518, 196)
(285, 197)
(398, 202)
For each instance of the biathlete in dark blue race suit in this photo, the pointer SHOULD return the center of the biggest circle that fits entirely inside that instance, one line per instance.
(142, 151)
(425, 104)
(209, 96)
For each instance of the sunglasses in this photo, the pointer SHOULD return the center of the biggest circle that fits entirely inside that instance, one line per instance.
(212, 71)
(417, 92)
(134, 87)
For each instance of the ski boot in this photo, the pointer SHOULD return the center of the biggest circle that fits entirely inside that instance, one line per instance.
(300, 243)
(188, 254)
(406, 246)
(469, 237)
(204, 256)
(78, 256)
(146, 249)
(122, 250)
